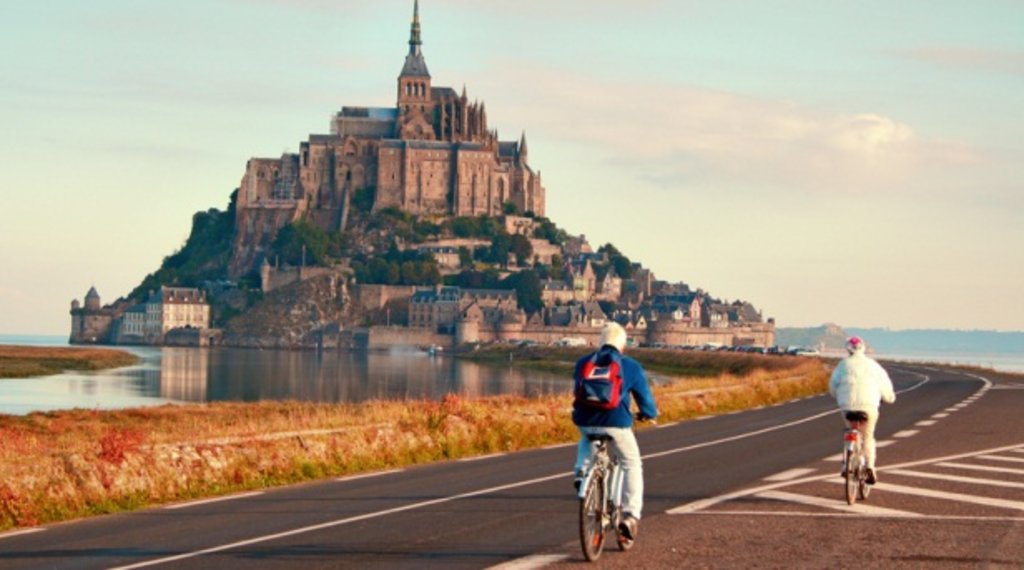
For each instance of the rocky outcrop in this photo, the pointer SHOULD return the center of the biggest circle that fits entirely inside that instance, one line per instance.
(292, 317)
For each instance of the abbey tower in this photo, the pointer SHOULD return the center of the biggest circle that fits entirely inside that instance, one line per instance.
(432, 154)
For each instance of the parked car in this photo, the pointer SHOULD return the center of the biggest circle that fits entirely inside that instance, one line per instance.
(802, 351)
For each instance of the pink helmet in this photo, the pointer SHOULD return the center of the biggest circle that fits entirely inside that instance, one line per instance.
(855, 343)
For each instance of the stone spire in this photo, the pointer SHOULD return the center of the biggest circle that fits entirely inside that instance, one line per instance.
(414, 34)
(522, 149)
(415, 65)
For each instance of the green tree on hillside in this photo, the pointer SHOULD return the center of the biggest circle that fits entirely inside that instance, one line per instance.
(203, 257)
(528, 289)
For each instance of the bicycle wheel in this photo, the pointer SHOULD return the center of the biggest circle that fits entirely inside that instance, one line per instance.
(851, 476)
(623, 542)
(592, 518)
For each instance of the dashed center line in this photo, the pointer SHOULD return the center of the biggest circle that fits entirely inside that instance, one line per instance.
(926, 423)
(906, 433)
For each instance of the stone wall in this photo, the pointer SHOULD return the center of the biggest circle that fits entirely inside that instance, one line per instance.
(380, 338)
(375, 297)
(678, 334)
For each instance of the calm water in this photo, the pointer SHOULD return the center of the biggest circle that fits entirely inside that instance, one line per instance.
(224, 374)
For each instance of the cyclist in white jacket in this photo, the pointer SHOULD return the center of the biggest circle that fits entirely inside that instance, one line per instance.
(859, 383)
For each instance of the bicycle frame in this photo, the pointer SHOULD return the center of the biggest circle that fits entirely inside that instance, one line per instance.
(855, 462)
(606, 509)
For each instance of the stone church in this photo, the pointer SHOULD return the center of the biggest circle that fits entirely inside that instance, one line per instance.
(430, 155)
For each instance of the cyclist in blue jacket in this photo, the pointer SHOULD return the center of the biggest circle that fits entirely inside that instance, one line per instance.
(594, 417)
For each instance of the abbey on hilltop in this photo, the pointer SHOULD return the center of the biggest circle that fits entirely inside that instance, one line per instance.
(430, 154)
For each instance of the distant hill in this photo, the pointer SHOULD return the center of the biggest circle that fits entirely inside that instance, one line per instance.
(911, 341)
(932, 340)
(827, 336)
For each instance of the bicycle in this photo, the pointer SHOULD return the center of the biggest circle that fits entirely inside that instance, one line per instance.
(600, 495)
(855, 460)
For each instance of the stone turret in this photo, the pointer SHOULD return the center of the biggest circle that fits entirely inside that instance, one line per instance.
(92, 300)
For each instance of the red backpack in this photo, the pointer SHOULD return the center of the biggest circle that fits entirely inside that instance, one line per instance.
(599, 387)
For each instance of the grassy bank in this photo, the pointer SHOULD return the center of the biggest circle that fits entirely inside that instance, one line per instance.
(674, 363)
(29, 361)
(61, 465)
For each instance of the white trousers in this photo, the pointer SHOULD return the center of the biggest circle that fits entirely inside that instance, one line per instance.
(868, 430)
(626, 450)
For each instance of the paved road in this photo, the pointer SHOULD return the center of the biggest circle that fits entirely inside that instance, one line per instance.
(756, 488)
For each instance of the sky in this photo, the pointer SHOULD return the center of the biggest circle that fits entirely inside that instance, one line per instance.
(860, 163)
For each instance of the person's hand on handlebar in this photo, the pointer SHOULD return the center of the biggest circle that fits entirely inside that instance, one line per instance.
(645, 419)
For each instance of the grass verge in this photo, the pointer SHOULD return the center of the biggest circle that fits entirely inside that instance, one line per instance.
(62, 465)
(29, 361)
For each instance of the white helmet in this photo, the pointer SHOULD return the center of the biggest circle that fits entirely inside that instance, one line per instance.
(614, 335)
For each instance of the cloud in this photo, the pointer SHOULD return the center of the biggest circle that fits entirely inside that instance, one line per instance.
(676, 132)
(968, 58)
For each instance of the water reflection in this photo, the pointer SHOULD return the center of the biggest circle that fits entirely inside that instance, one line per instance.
(208, 375)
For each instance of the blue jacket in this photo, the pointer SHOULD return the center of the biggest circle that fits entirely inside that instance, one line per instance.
(634, 382)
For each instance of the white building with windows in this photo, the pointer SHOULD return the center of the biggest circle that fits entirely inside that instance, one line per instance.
(175, 308)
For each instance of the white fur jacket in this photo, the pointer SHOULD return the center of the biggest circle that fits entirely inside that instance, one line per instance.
(860, 383)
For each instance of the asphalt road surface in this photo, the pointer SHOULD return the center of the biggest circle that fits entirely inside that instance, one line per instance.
(751, 489)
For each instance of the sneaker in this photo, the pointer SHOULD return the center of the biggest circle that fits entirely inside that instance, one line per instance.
(871, 479)
(628, 526)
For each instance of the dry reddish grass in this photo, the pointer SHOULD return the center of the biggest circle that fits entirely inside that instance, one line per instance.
(62, 465)
(28, 361)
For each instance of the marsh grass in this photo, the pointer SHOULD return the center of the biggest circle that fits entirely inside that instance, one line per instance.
(29, 361)
(68, 464)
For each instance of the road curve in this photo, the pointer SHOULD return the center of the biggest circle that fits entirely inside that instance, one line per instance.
(707, 502)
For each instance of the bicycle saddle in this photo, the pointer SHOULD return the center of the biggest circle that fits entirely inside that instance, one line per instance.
(856, 416)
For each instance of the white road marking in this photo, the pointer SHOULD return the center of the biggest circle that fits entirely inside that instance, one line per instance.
(695, 506)
(836, 457)
(790, 474)
(952, 409)
(837, 515)
(558, 445)
(957, 478)
(884, 443)
(20, 532)
(925, 423)
(958, 497)
(368, 475)
(940, 415)
(988, 468)
(338, 522)
(531, 562)
(213, 500)
(906, 433)
(1002, 458)
(833, 504)
(481, 457)
(660, 426)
